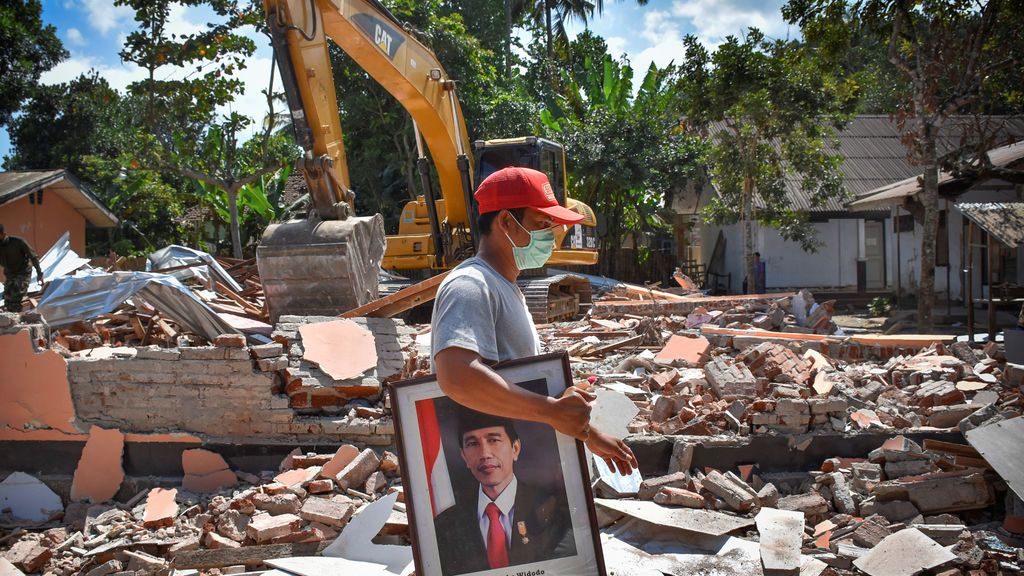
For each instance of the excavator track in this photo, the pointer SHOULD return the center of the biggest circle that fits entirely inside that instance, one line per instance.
(556, 298)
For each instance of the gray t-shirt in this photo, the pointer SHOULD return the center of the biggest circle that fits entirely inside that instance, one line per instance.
(478, 309)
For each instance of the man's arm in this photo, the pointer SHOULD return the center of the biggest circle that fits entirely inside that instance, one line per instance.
(34, 259)
(465, 378)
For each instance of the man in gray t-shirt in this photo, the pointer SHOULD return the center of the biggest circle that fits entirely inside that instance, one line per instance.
(480, 315)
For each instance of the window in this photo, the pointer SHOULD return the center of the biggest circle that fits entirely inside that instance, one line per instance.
(904, 223)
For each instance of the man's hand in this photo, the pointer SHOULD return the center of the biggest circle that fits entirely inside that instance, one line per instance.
(570, 414)
(613, 451)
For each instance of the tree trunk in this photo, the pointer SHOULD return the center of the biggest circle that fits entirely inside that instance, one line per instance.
(508, 39)
(547, 28)
(747, 221)
(236, 233)
(930, 203)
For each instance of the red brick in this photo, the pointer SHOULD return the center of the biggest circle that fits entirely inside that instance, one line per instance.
(28, 555)
(266, 527)
(320, 486)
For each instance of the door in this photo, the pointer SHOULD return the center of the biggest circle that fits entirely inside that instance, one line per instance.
(874, 254)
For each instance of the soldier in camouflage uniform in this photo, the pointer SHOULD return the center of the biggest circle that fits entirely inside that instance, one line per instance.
(15, 257)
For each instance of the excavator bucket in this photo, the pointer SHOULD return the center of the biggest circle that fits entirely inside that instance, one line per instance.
(312, 268)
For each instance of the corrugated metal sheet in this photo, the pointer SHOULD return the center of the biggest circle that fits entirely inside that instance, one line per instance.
(897, 192)
(1003, 220)
(874, 157)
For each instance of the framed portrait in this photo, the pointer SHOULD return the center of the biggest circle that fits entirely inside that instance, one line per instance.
(492, 496)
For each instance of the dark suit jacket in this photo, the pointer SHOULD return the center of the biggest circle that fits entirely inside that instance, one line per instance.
(548, 527)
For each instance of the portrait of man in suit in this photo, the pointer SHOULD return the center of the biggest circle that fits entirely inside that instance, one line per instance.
(503, 521)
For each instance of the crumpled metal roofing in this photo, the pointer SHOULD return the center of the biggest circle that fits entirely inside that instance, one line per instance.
(175, 255)
(1003, 220)
(84, 296)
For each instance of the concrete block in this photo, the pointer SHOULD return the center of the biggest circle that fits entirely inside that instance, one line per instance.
(734, 495)
(28, 555)
(157, 353)
(811, 504)
(327, 512)
(358, 471)
(729, 379)
(267, 350)
(651, 486)
(277, 504)
(272, 364)
(230, 341)
(670, 496)
(264, 528)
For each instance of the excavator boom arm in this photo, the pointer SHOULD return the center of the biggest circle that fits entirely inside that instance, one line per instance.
(396, 60)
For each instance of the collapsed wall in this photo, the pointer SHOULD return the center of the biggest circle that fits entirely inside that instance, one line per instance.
(230, 392)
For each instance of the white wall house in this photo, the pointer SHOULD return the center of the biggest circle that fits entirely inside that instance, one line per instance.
(886, 253)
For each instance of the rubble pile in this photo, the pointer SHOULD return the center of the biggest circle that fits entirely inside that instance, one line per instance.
(136, 322)
(697, 381)
(309, 501)
(852, 506)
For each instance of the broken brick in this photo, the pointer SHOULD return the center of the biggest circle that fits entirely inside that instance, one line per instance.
(161, 508)
(730, 380)
(651, 486)
(671, 496)
(214, 541)
(28, 555)
(359, 470)
(266, 528)
(326, 512)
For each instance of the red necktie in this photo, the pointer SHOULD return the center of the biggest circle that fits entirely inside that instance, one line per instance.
(497, 553)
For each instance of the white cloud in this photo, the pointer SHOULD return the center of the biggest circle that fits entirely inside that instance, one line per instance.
(664, 41)
(616, 45)
(104, 16)
(75, 37)
(119, 76)
(713, 20)
(178, 21)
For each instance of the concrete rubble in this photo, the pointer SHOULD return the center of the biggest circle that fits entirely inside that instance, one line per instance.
(768, 439)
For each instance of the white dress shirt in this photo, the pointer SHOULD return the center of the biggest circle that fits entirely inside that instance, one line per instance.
(506, 503)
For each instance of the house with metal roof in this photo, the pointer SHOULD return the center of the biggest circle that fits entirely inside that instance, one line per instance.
(41, 205)
(866, 246)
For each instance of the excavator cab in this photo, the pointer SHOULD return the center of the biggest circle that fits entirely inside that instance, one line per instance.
(577, 245)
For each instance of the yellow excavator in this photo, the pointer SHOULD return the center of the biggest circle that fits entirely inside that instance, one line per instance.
(328, 262)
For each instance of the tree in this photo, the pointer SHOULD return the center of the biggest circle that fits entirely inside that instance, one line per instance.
(27, 49)
(625, 153)
(770, 108)
(182, 131)
(953, 57)
(85, 126)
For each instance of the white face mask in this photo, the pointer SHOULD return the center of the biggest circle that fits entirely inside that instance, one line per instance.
(537, 252)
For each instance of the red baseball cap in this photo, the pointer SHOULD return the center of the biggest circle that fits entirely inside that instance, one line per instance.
(518, 187)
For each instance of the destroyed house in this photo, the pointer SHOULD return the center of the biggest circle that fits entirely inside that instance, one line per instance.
(870, 248)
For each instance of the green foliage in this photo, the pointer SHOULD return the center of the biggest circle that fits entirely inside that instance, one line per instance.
(626, 154)
(84, 126)
(880, 306)
(27, 49)
(181, 132)
(770, 107)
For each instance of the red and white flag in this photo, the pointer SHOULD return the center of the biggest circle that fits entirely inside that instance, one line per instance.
(442, 496)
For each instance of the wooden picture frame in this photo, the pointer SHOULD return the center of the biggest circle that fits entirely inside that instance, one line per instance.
(449, 477)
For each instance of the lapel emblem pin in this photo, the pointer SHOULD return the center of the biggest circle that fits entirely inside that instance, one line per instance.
(521, 527)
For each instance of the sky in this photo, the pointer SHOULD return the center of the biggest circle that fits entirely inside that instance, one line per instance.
(93, 32)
